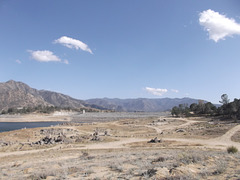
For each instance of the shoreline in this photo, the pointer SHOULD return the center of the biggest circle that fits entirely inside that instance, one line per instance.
(34, 118)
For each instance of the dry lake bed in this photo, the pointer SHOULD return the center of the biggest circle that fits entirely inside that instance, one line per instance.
(119, 146)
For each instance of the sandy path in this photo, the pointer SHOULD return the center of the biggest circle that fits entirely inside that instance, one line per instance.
(220, 142)
(102, 145)
(155, 128)
(17, 153)
(227, 136)
(160, 130)
(112, 145)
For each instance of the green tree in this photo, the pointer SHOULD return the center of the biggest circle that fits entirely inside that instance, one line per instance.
(10, 110)
(225, 99)
(209, 108)
(193, 107)
(175, 111)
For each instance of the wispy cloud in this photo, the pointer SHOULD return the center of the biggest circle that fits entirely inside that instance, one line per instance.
(44, 56)
(18, 61)
(218, 25)
(175, 90)
(73, 43)
(156, 91)
(65, 62)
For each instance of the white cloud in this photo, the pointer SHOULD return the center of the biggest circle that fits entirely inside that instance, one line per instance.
(156, 91)
(44, 56)
(18, 61)
(218, 25)
(73, 43)
(175, 90)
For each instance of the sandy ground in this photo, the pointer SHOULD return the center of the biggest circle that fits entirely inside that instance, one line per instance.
(189, 148)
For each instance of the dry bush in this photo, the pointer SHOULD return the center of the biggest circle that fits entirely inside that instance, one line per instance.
(159, 159)
(220, 168)
(149, 173)
(232, 149)
(43, 174)
(116, 166)
(189, 158)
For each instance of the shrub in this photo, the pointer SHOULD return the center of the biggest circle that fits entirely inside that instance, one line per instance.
(220, 168)
(159, 159)
(149, 173)
(232, 149)
(189, 158)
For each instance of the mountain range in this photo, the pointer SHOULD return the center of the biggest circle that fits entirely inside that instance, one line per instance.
(17, 94)
(141, 104)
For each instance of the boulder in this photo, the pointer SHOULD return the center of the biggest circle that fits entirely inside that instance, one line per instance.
(180, 130)
(155, 140)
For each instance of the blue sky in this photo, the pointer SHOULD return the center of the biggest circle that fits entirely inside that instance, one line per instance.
(123, 48)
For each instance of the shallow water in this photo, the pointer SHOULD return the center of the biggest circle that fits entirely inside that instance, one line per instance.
(10, 126)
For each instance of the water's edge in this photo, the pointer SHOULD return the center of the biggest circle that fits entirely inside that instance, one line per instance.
(10, 126)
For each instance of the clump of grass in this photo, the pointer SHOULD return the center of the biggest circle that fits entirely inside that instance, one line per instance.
(232, 149)
(85, 153)
(149, 173)
(43, 174)
(220, 168)
(189, 158)
(88, 172)
(116, 167)
(159, 159)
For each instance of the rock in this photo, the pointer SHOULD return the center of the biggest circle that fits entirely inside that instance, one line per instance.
(95, 134)
(105, 133)
(180, 130)
(162, 173)
(49, 140)
(59, 139)
(155, 140)
(95, 138)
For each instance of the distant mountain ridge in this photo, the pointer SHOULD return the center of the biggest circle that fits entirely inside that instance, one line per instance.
(17, 94)
(141, 104)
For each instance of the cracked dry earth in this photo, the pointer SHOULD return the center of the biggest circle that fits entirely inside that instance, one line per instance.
(189, 148)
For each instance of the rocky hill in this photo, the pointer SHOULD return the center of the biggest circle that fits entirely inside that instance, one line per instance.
(141, 104)
(17, 94)
(61, 100)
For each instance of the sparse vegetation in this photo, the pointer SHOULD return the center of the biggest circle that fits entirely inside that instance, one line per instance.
(128, 165)
(230, 110)
(190, 158)
(232, 149)
(194, 109)
(121, 154)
